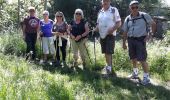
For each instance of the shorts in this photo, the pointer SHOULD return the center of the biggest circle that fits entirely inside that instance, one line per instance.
(108, 44)
(137, 48)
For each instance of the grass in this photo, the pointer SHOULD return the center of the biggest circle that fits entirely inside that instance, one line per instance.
(21, 80)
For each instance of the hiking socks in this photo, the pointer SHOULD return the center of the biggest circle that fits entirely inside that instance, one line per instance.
(109, 68)
(146, 75)
(135, 70)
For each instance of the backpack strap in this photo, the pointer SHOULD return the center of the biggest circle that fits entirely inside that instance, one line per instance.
(147, 25)
(128, 22)
(143, 17)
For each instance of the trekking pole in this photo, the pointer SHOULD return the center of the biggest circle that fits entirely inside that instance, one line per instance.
(41, 50)
(69, 59)
(94, 47)
(87, 53)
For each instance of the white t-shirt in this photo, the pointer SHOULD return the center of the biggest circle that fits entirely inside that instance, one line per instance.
(107, 19)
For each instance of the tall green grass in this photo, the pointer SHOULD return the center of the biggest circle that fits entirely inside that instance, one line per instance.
(21, 80)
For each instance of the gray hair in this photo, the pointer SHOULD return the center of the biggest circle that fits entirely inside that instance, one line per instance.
(46, 12)
(80, 11)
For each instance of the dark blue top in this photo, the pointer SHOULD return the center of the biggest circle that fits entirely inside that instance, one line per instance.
(78, 29)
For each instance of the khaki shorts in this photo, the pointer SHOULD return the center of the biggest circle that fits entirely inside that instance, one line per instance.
(108, 44)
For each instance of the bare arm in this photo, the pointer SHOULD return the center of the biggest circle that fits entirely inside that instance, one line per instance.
(124, 40)
(23, 29)
(115, 27)
(86, 30)
(96, 29)
(153, 25)
(118, 24)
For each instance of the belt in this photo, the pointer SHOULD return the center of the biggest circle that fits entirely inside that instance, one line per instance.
(137, 38)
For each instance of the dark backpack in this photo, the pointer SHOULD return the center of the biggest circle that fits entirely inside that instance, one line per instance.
(142, 17)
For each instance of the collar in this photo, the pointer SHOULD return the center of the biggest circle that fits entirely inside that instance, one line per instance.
(109, 9)
(136, 16)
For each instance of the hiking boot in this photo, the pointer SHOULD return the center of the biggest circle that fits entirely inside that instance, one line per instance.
(145, 81)
(133, 76)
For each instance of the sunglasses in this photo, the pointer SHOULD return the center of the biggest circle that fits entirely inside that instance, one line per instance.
(78, 13)
(134, 7)
(59, 16)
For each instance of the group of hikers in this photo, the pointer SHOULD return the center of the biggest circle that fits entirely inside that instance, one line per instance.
(55, 34)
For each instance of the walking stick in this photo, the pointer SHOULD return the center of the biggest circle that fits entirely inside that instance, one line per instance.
(41, 50)
(87, 53)
(69, 52)
(94, 48)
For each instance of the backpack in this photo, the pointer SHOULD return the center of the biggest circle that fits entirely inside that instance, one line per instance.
(142, 17)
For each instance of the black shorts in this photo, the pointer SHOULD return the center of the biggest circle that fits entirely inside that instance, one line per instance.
(108, 44)
(137, 48)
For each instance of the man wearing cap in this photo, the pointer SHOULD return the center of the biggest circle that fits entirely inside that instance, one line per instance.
(30, 28)
(136, 33)
(108, 22)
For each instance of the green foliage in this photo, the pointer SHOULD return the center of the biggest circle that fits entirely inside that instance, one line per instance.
(12, 44)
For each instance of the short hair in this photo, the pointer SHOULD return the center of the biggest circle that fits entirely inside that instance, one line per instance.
(31, 8)
(46, 12)
(80, 11)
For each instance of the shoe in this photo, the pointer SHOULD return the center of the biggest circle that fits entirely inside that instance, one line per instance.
(64, 64)
(133, 76)
(41, 62)
(107, 70)
(145, 81)
(58, 63)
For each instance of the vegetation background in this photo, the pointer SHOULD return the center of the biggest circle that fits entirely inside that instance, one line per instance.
(21, 80)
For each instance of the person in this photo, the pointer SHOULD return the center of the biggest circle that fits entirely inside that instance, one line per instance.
(136, 33)
(108, 22)
(30, 27)
(60, 28)
(46, 26)
(78, 33)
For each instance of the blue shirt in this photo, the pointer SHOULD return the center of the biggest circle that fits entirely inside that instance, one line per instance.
(46, 28)
(137, 28)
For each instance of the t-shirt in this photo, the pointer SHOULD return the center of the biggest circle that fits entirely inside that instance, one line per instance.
(136, 26)
(107, 19)
(31, 23)
(46, 28)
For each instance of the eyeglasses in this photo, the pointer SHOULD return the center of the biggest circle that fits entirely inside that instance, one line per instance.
(59, 16)
(134, 7)
(78, 13)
